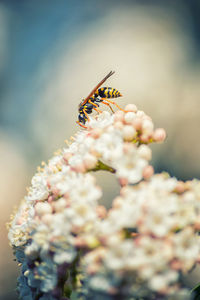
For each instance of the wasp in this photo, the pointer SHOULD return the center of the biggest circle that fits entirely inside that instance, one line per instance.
(96, 96)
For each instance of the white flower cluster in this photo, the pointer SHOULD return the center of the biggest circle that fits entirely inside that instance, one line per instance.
(65, 241)
(151, 234)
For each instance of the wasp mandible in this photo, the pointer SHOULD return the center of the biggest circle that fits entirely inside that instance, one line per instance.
(97, 95)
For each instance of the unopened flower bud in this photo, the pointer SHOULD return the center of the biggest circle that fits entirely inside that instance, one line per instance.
(59, 205)
(140, 114)
(129, 132)
(43, 208)
(129, 117)
(131, 107)
(147, 125)
(137, 123)
(145, 152)
(118, 125)
(159, 135)
(90, 161)
(119, 116)
(148, 172)
(101, 211)
(47, 219)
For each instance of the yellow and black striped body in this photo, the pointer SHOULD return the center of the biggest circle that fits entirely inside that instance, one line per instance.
(93, 102)
(107, 92)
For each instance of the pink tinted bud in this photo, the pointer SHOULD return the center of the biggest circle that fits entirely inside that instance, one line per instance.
(144, 138)
(137, 123)
(79, 168)
(128, 147)
(140, 114)
(180, 188)
(145, 152)
(118, 125)
(176, 264)
(129, 117)
(119, 116)
(90, 161)
(147, 125)
(159, 135)
(47, 219)
(55, 191)
(101, 211)
(67, 156)
(96, 132)
(148, 172)
(131, 107)
(123, 181)
(43, 208)
(48, 184)
(129, 132)
(59, 205)
(79, 242)
(197, 227)
(20, 221)
(51, 198)
(117, 202)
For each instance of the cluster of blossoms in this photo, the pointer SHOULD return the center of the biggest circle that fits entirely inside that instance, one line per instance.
(71, 247)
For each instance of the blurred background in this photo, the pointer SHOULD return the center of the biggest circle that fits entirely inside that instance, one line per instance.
(52, 53)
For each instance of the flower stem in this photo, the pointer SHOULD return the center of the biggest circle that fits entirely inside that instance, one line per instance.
(101, 166)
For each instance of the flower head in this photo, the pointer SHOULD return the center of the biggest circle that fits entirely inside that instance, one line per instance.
(140, 247)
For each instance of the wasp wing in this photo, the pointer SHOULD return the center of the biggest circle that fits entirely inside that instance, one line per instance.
(97, 86)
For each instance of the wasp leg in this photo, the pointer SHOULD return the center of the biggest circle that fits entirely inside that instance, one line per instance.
(98, 110)
(96, 106)
(112, 102)
(86, 114)
(80, 124)
(108, 105)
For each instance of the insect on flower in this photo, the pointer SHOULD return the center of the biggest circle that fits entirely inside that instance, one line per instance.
(97, 95)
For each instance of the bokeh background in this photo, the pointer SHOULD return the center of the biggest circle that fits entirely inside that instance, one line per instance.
(52, 53)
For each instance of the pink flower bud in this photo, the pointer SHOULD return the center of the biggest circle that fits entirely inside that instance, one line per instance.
(117, 202)
(20, 221)
(67, 156)
(90, 161)
(47, 219)
(129, 117)
(145, 152)
(129, 132)
(96, 132)
(144, 138)
(137, 123)
(131, 107)
(119, 116)
(159, 135)
(101, 211)
(180, 188)
(148, 172)
(59, 205)
(79, 168)
(43, 208)
(79, 242)
(140, 114)
(51, 198)
(123, 181)
(118, 125)
(147, 125)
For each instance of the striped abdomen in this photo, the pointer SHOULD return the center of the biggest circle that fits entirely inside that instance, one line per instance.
(107, 92)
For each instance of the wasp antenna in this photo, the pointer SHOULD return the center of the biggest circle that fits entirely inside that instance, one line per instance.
(109, 74)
